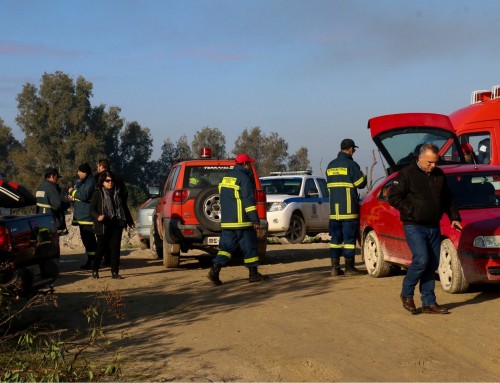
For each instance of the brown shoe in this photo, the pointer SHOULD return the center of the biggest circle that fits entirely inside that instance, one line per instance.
(434, 309)
(409, 304)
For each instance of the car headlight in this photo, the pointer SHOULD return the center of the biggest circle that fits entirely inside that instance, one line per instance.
(487, 241)
(277, 206)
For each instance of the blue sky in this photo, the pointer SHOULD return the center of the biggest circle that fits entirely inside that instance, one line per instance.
(313, 71)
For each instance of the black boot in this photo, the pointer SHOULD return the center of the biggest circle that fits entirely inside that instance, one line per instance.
(115, 275)
(350, 269)
(336, 270)
(95, 274)
(213, 274)
(255, 276)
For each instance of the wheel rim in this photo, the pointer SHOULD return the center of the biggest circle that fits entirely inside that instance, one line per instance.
(371, 254)
(295, 230)
(212, 209)
(445, 271)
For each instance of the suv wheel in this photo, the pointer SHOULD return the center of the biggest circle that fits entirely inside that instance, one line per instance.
(171, 253)
(155, 240)
(207, 208)
(297, 230)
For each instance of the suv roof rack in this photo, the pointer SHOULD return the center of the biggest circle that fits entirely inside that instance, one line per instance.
(292, 173)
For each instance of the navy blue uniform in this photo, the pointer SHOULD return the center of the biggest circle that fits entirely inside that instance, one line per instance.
(344, 177)
(239, 214)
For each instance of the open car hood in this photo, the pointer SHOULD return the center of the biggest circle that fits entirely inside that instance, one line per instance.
(13, 195)
(400, 136)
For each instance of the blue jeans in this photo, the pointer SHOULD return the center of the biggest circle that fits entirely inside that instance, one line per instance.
(425, 244)
(343, 238)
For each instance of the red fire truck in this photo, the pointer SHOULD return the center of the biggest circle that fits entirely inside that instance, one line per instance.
(479, 125)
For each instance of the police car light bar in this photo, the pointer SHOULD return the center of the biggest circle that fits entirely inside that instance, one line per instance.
(292, 173)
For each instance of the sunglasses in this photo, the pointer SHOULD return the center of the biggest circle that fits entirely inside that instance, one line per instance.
(108, 180)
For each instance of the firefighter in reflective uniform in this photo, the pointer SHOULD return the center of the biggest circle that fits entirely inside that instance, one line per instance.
(344, 177)
(49, 199)
(81, 195)
(239, 220)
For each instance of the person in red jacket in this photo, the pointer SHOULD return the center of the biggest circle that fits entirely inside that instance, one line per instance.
(239, 220)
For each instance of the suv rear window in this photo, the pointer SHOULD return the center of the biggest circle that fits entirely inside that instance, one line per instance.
(204, 176)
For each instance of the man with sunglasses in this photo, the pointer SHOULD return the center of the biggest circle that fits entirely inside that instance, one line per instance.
(344, 177)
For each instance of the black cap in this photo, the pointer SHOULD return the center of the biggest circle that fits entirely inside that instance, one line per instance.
(85, 168)
(50, 171)
(347, 143)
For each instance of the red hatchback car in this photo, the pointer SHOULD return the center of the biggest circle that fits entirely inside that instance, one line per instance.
(471, 256)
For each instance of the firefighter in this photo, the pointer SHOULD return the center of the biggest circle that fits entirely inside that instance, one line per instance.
(49, 199)
(239, 220)
(81, 195)
(344, 177)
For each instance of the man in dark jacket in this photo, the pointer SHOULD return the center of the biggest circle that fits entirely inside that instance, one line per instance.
(81, 195)
(49, 199)
(239, 220)
(344, 178)
(422, 196)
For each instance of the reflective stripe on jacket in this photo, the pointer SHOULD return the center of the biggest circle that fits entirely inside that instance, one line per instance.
(82, 195)
(344, 177)
(237, 198)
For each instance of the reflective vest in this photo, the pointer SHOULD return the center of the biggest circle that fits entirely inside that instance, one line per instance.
(344, 177)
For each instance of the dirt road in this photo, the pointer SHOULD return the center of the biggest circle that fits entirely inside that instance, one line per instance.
(301, 325)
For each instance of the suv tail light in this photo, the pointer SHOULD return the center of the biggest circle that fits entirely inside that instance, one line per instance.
(180, 196)
(5, 240)
(260, 197)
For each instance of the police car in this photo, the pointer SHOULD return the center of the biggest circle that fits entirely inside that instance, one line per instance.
(297, 204)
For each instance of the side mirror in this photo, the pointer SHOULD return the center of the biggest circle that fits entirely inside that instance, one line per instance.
(153, 191)
(312, 193)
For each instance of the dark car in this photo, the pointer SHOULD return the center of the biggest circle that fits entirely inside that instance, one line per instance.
(470, 256)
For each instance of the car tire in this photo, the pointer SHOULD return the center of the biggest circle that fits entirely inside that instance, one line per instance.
(450, 270)
(207, 208)
(374, 257)
(156, 242)
(297, 229)
(171, 253)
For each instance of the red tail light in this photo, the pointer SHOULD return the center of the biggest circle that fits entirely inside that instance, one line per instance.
(5, 240)
(260, 196)
(180, 196)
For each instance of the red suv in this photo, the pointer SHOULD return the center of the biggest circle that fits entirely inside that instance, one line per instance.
(188, 213)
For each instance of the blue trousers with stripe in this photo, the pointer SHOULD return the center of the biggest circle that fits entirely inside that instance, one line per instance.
(246, 239)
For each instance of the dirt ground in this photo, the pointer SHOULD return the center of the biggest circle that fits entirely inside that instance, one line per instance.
(301, 325)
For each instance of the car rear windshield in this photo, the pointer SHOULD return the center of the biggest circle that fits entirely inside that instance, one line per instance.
(204, 176)
(289, 186)
(478, 190)
(403, 145)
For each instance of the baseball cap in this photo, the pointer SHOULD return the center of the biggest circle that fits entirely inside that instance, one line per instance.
(347, 143)
(243, 157)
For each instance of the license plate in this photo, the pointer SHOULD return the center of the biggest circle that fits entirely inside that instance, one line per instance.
(213, 241)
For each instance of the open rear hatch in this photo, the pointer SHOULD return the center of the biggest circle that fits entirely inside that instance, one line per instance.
(400, 136)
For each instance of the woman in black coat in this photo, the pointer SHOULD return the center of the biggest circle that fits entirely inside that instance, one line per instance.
(111, 215)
